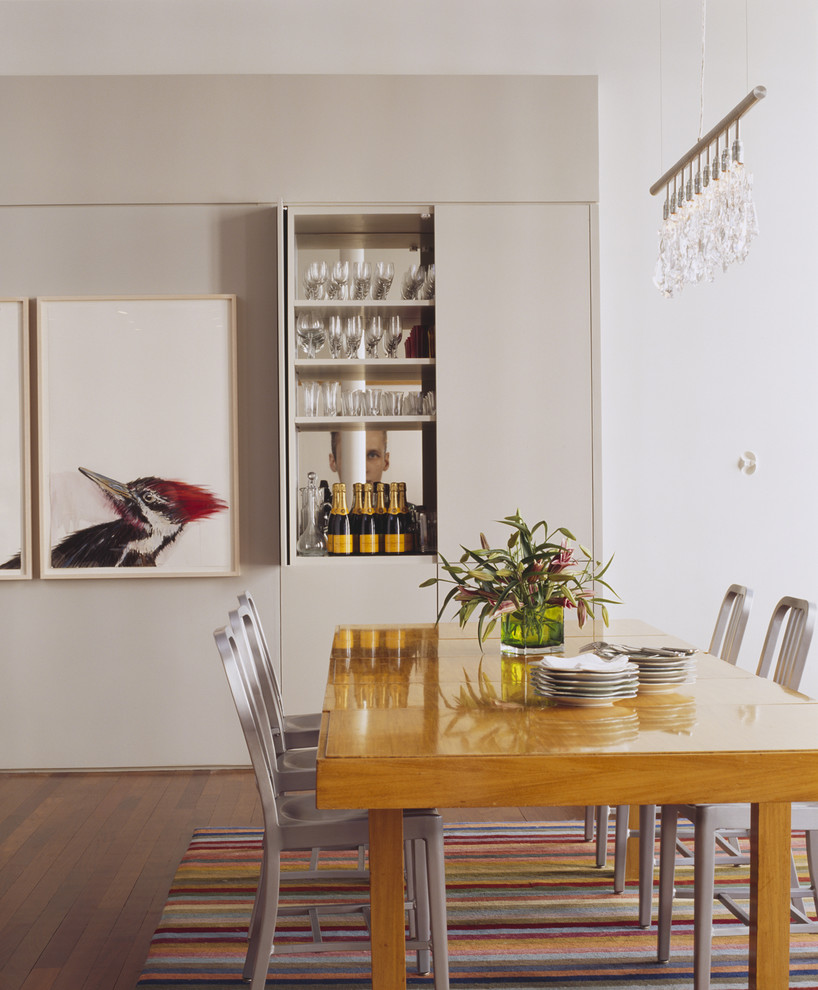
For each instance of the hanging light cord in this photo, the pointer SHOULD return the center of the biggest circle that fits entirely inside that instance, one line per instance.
(701, 76)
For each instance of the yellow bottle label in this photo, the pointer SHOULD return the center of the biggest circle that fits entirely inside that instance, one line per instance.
(342, 544)
(369, 543)
(330, 543)
(395, 543)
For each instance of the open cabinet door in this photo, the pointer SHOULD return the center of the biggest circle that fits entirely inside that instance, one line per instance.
(515, 364)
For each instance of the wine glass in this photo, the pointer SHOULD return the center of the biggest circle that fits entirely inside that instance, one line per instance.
(428, 289)
(361, 279)
(412, 281)
(335, 336)
(315, 279)
(384, 274)
(354, 331)
(310, 330)
(338, 287)
(393, 336)
(374, 334)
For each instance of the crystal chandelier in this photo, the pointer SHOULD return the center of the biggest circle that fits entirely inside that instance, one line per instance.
(708, 218)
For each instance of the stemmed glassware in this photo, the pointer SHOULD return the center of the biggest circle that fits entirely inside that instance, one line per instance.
(354, 328)
(315, 279)
(384, 274)
(310, 331)
(393, 336)
(427, 290)
(361, 279)
(374, 334)
(338, 287)
(335, 336)
(413, 279)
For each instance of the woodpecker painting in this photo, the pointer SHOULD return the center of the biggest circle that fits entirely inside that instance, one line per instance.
(151, 512)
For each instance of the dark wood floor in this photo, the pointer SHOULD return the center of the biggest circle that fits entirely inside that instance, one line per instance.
(86, 860)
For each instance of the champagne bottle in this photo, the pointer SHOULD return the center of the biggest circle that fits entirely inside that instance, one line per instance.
(369, 541)
(339, 525)
(355, 515)
(331, 521)
(380, 514)
(395, 537)
(408, 519)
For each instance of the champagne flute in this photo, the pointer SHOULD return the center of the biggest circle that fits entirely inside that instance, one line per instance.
(335, 336)
(393, 336)
(361, 279)
(374, 334)
(354, 332)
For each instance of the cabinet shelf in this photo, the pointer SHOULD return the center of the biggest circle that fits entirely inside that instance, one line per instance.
(412, 310)
(406, 370)
(317, 423)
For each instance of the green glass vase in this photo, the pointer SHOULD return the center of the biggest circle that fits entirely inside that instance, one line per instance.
(534, 630)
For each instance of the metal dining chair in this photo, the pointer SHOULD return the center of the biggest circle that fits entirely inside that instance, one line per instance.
(728, 634)
(731, 623)
(293, 822)
(300, 730)
(715, 823)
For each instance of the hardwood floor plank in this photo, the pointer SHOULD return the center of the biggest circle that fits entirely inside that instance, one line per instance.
(86, 861)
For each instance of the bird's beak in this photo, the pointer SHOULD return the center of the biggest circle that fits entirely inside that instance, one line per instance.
(114, 488)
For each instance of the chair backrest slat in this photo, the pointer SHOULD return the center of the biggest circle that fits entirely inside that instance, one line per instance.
(797, 616)
(731, 623)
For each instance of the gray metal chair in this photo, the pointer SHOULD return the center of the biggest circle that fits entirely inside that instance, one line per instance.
(731, 623)
(293, 822)
(300, 730)
(713, 824)
(728, 634)
(295, 764)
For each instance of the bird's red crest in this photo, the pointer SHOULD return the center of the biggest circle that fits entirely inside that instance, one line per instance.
(189, 502)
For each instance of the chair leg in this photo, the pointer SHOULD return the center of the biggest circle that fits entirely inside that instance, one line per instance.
(436, 874)
(620, 846)
(704, 872)
(417, 880)
(795, 885)
(255, 918)
(812, 863)
(260, 947)
(602, 813)
(647, 851)
(590, 816)
(667, 879)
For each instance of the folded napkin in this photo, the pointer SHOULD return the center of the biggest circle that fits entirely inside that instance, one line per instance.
(588, 662)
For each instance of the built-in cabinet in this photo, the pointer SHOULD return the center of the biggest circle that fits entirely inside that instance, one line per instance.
(513, 378)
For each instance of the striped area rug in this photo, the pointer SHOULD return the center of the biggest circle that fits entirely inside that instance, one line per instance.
(527, 908)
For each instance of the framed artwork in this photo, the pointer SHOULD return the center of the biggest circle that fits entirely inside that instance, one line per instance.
(137, 436)
(15, 441)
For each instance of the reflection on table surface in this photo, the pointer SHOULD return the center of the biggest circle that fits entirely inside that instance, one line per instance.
(398, 677)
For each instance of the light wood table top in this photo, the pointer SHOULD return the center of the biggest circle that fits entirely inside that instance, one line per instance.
(421, 716)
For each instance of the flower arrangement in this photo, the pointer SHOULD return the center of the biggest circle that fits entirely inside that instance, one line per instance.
(524, 577)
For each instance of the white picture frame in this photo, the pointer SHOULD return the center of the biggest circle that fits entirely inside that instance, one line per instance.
(15, 442)
(137, 436)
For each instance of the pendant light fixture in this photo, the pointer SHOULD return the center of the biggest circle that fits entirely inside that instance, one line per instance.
(708, 217)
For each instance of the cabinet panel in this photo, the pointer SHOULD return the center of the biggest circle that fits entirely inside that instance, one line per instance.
(514, 364)
(319, 595)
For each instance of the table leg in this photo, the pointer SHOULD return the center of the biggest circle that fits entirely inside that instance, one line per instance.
(770, 897)
(386, 893)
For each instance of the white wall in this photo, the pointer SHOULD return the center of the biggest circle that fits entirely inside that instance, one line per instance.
(688, 384)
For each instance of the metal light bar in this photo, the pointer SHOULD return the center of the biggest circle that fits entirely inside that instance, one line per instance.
(738, 111)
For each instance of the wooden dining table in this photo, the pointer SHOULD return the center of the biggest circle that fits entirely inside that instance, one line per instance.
(419, 716)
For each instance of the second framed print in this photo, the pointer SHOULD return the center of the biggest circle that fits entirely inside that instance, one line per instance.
(137, 436)
(15, 514)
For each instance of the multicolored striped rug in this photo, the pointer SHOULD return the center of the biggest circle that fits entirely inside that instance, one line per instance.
(527, 909)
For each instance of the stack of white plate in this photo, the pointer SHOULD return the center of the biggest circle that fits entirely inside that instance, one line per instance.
(660, 674)
(587, 681)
